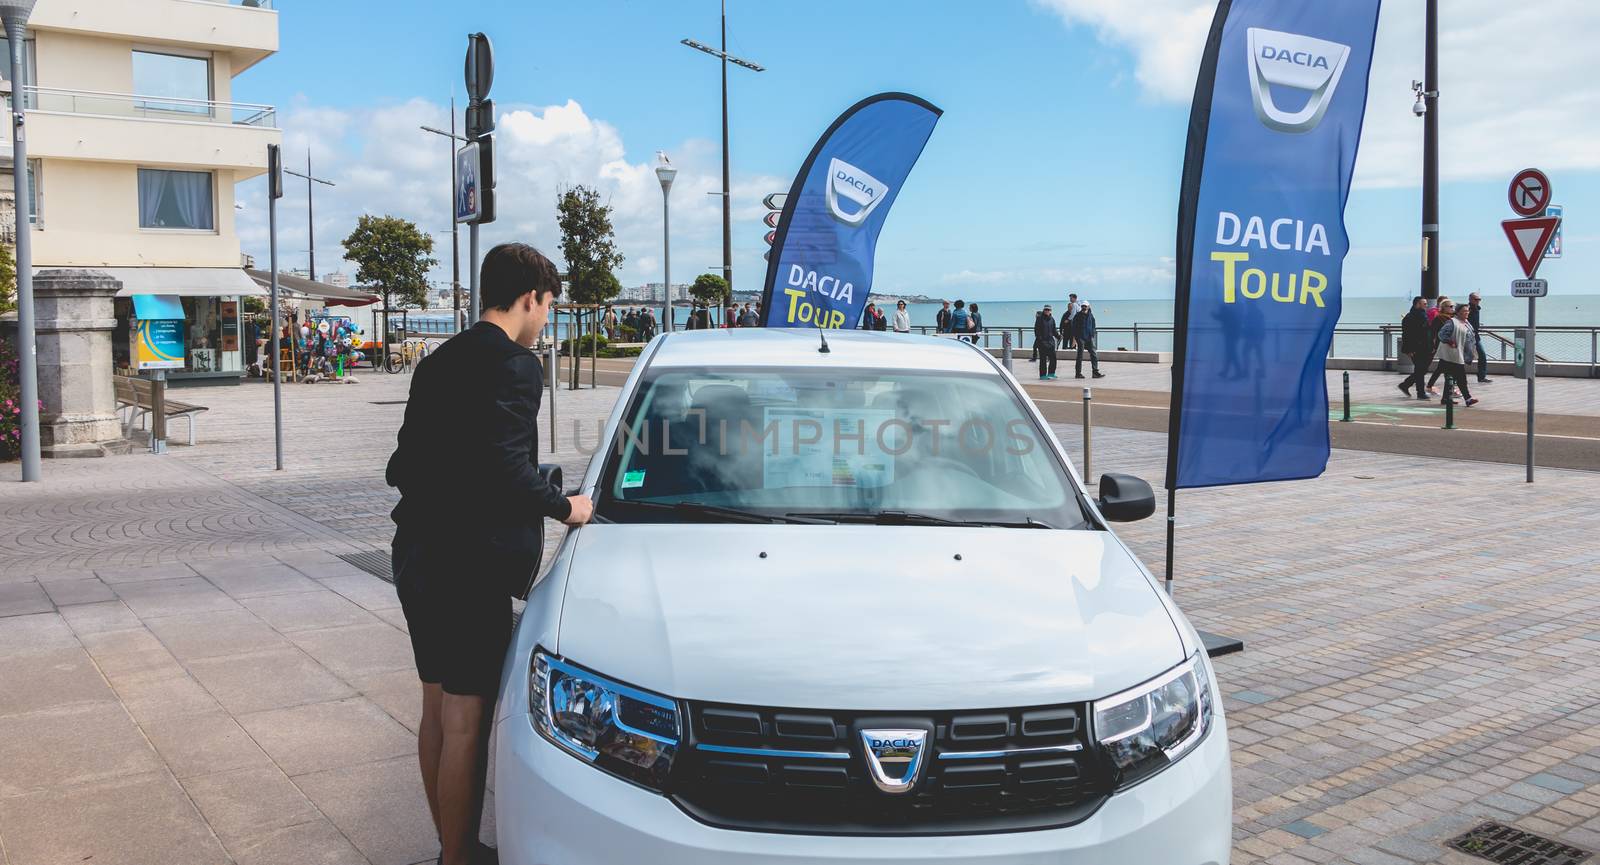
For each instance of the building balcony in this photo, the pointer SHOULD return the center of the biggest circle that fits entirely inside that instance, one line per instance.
(246, 30)
(149, 130)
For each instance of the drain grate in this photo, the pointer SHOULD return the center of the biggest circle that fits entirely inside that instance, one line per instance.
(373, 562)
(1509, 845)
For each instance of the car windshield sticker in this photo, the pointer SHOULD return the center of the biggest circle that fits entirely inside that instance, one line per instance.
(827, 447)
(633, 480)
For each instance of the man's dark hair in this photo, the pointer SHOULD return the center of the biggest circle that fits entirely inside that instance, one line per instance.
(511, 270)
(960, 304)
(1417, 298)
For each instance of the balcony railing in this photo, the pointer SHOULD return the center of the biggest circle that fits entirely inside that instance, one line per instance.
(152, 107)
(255, 4)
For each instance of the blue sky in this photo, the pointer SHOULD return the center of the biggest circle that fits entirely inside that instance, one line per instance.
(1054, 168)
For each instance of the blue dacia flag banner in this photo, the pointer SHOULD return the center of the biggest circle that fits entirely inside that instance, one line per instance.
(1261, 237)
(819, 270)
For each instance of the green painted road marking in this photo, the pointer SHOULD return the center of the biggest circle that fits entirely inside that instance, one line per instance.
(1386, 412)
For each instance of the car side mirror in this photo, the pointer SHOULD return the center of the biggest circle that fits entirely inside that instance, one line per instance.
(1125, 498)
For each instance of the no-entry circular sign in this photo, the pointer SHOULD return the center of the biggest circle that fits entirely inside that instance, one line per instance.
(1530, 192)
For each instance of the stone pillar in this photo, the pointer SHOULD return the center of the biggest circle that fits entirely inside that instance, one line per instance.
(74, 320)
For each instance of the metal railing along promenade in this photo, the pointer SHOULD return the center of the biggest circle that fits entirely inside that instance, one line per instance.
(1556, 344)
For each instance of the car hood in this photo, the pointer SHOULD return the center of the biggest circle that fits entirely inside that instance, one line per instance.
(863, 617)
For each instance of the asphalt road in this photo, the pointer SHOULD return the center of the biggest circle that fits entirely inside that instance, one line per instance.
(1562, 441)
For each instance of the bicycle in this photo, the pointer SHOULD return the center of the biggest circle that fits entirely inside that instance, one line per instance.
(410, 354)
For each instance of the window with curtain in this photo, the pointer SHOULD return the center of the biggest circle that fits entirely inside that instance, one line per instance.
(29, 78)
(175, 77)
(176, 199)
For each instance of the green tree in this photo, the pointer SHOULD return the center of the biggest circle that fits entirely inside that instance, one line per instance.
(589, 245)
(393, 256)
(8, 280)
(710, 289)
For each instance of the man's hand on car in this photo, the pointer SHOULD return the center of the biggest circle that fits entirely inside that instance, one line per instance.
(582, 510)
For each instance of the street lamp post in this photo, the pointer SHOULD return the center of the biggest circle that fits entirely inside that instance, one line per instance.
(15, 14)
(455, 228)
(311, 226)
(1427, 107)
(665, 172)
(727, 200)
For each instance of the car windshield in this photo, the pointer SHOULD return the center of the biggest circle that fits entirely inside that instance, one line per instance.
(797, 445)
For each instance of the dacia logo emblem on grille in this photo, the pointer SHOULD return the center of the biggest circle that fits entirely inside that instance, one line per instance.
(861, 189)
(1310, 67)
(895, 758)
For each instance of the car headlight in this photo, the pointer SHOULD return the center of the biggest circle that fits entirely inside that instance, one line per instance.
(1148, 728)
(630, 733)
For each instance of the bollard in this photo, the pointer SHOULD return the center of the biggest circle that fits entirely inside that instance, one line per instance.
(1346, 418)
(1005, 349)
(1088, 428)
(1449, 403)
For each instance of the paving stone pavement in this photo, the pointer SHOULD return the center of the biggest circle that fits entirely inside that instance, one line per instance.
(192, 675)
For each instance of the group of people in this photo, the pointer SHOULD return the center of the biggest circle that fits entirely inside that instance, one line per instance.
(874, 319)
(733, 315)
(640, 321)
(962, 319)
(1076, 329)
(1449, 333)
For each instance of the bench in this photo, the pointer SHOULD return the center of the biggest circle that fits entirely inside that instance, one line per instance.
(136, 398)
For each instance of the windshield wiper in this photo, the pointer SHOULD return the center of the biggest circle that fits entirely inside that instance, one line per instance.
(909, 518)
(730, 514)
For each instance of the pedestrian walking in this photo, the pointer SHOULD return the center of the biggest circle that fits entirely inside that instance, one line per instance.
(1033, 356)
(1457, 348)
(1475, 318)
(1083, 335)
(870, 316)
(976, 326)
(1416, 342)
(468, 528)
(610, 322)
(1441, 315)
(941, 319)
(1044, 339)
(1066, 321)
(902, 318)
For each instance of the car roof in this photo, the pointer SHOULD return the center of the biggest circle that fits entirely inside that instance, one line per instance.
(797, 346)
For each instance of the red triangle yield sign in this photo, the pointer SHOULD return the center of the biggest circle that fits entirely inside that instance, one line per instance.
(1529, 239)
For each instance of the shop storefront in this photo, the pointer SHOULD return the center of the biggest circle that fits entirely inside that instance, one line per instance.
(213, 323)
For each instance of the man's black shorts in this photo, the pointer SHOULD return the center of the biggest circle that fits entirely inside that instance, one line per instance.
(460, 622)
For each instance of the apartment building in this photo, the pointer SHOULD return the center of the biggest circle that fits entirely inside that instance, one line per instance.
(134, 147)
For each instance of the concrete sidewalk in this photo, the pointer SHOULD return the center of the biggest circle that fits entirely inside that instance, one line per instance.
(192, 675)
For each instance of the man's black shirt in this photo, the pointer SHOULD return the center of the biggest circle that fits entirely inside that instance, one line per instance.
(467, 460)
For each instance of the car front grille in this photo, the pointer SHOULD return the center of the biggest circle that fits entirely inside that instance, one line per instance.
(801, 771)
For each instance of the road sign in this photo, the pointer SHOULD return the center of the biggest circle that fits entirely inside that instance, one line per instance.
(1529, 288)
(771, 219)
(1529, 239)
(775, 200)
(479, 66)
(770, 237)
(1554, 249)
(468, 194)
(1529, 192)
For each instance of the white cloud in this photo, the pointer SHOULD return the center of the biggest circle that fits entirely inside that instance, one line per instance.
(383, 163)
(1516, 80)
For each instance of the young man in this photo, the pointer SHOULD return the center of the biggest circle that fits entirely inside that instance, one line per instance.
(941, 319)
(1083, 334)
(1416, 342)
(1044, 340)
(469, 526)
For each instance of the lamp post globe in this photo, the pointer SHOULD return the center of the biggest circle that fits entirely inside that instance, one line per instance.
(16, 9)
(665, 172)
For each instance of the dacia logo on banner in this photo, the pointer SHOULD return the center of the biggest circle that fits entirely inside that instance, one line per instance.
(860, 188)
(1301, 63)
